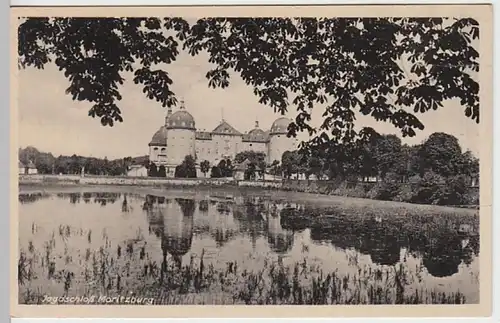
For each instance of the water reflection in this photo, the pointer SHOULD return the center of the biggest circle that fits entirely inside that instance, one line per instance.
(173, 221)
(254, 228)
(280, 240)
(32, 197)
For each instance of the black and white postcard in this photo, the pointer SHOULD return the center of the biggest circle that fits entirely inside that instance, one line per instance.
(280, 161)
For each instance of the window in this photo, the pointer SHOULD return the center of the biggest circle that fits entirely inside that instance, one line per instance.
(155, 149)
(250, 145)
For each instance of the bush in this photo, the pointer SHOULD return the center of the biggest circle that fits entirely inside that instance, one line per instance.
(350, 189)
(428, 188)
(162, 171)
(405, 193)
(453, 193)
(187, 169)
(215, 172)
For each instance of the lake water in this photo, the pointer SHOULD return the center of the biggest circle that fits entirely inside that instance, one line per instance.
(171, 249)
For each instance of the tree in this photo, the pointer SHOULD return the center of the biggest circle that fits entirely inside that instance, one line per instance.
(381, 67)
(440, 154)
(152, 170)
(225, 168)
(257, 158)
(205, 167)
(187, 169)
(289, 163)
(228, 170)
(215, 172)
(276, 168)
(250, 171)
(387, 153)
(162, 172)
(315, 166)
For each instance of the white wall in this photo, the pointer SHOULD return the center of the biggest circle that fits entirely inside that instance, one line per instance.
(158, 154)
(225, 145)
(181, 142)
(138, 172)
(204, 150)
(278, 144)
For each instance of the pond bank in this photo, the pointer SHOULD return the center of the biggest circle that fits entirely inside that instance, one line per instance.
(232, 191)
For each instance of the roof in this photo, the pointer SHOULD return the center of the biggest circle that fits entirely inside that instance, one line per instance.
(21, 165)
(31, 165)
(256, 135)
(203, 135)
(280, 126)
(225, 128)
(160, 137)
(181, 120)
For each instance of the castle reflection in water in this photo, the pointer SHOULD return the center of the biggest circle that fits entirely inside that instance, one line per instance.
(176, 222)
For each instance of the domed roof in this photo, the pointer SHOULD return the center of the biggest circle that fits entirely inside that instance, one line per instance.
(256, 135)
(280, 126)
(181, 119)
(160, 137)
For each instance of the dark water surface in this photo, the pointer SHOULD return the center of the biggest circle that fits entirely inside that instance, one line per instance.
(241, 250)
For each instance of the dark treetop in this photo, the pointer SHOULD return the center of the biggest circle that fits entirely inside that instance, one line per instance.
(348, 64)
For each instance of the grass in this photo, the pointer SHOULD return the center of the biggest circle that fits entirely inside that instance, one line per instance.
(129, 269)
(197, 283)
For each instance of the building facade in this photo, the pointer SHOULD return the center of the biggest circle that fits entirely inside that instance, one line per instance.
(179, 137)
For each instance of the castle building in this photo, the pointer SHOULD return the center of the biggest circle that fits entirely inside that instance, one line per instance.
(179, 137)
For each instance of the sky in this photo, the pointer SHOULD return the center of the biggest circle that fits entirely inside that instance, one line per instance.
(52, 122)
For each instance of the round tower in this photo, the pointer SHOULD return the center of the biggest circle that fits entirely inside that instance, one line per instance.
(278, 140)
(158, 143)
(180, 136)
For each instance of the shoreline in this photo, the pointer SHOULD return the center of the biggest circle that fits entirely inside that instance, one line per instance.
(204, 191)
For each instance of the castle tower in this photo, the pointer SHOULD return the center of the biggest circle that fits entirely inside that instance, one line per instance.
(278, 140)
(181, 132)
(158, 144)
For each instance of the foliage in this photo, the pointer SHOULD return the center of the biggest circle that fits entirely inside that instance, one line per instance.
(291, 163)
(428, 188)
(187, 169)
(250, 171)
(152, 170)
(275, 168)
(257, 159)
(387, 153)
(225, 167)
(439, 154)
(215, 172)
(205, 167)
(162, 171)
(380, 67)
(46, 163)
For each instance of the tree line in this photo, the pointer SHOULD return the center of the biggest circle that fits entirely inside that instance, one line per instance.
(436, 171)
(47, 163)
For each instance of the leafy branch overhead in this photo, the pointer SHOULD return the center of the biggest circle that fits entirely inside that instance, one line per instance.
(388, 68)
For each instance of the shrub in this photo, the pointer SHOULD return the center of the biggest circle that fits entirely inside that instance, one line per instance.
(215, 172)
(428, 188)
